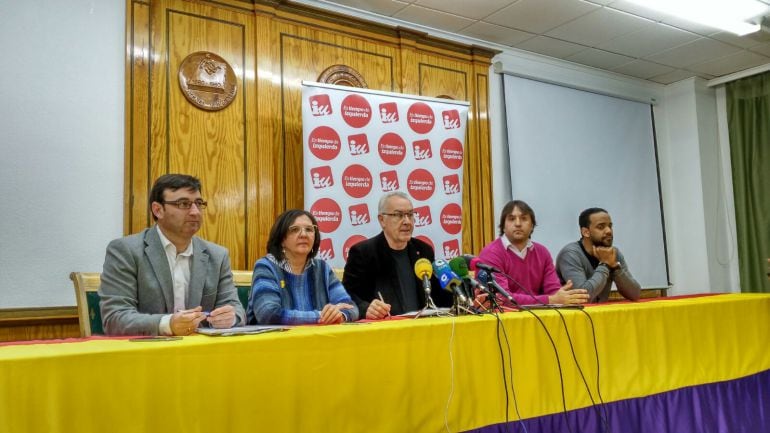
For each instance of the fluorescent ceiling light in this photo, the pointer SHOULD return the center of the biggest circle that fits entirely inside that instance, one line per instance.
(729, 15)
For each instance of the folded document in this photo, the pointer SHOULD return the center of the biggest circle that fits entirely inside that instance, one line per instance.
(242, 330)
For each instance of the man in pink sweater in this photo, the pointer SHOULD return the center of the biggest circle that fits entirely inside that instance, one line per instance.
(527, 263)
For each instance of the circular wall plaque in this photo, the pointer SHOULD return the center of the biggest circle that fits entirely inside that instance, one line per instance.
(207, 81)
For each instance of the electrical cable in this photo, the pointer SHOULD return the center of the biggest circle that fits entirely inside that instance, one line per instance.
(580, 370)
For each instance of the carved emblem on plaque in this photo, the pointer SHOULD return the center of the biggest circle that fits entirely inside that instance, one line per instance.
(207, 81)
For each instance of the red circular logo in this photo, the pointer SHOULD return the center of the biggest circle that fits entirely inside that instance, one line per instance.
(357, 181)
(349, 244)
(328, 214)
(426, 240)
(420, 118)
(392, 148)
(420, 184)
(452, 218)
(452, 153)
(324, 143)
(356, 111)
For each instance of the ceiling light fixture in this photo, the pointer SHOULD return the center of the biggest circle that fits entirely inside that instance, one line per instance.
(729, 15)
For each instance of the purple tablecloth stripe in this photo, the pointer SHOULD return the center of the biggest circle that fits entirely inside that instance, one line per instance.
(735, 406)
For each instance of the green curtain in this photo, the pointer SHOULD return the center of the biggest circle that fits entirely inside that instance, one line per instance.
(748, 117)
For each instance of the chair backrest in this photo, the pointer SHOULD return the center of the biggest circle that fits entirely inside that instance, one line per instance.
(242, 280)
(338, 272)
(87, 295)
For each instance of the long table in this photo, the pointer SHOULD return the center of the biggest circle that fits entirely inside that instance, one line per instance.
(424, 375)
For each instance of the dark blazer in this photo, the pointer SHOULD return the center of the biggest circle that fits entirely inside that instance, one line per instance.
(137, 290)
(371, 269)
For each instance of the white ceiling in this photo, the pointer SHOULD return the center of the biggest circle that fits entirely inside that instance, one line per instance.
(613, 35)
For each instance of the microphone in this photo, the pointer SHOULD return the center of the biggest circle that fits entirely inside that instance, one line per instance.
(460, 267)
(424, 270)
(485, 277)
(474, 263)
(489, 268)
(449, 280)
(470, 261)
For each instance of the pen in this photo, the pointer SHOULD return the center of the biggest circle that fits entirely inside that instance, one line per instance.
(382, 300)
(205, 313)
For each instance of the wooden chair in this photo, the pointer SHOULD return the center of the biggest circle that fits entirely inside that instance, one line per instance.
(339, 272)
(87, 295)
(242, 281)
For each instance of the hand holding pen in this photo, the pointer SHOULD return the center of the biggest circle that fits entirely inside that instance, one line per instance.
(378, 309)
(185, 322)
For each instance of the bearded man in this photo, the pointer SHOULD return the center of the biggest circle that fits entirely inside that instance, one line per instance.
(592, 263)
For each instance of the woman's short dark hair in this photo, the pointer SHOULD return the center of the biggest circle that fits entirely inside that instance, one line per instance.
(173, 182)
(281, 229)
(508, 208)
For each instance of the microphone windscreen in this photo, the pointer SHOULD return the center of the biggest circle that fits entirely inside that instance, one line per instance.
(445, 276)
(482, 276)
(473, 263)
(422, 267)
(459, 266)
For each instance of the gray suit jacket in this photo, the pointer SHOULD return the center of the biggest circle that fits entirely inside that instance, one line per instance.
(136, 287)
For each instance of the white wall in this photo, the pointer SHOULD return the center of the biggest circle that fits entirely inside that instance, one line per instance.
(696, 189)
(681, 178)
(61, 129)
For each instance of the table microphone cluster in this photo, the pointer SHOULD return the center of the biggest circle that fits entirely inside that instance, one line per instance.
(453, 276)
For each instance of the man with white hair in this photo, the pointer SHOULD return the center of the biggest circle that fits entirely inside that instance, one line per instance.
(379, 274)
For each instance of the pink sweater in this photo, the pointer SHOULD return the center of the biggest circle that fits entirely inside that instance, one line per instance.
(536, 272)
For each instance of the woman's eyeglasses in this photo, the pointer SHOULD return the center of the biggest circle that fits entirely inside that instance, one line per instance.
(308, 230)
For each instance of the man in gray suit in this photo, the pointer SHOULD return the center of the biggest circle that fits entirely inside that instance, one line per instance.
(165, 280)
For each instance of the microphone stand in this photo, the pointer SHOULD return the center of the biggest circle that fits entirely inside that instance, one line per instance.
(429, 303)
(495, 306)
(461, 308)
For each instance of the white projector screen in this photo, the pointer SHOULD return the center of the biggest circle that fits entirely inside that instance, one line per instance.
(570, 150)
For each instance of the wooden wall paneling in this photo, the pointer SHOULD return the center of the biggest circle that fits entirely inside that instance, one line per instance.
(266, 159)
(158, 96)
(410, 69)
(211, 145)
(136, 184)
(304, 54)
(45, 323)
(481, 162)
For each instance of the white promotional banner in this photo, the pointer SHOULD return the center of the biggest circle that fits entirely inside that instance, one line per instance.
(360, 144)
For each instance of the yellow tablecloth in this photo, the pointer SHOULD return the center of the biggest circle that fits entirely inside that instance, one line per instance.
(393, 376)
